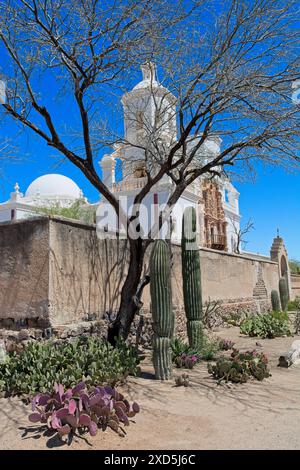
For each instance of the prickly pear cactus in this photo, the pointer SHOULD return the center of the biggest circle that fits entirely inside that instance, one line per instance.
(275, 301)
(284, 293)
(161, 306)
(191, 276)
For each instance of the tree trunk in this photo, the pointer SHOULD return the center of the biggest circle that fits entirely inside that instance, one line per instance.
(130, 294)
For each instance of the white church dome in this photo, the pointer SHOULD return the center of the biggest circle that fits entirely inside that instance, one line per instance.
(54, 185)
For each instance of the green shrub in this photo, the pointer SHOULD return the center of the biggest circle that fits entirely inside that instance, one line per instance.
(270, 325)
(240, 367)
(79, 210)
(206, 352)
(294, 266)
(43, 364)
(294, 305)
(209, 348)
(235, 319)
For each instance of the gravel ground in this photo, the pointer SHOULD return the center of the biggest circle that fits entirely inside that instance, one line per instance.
(256, 415)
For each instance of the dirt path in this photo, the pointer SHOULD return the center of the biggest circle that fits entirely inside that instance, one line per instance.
(256, 415)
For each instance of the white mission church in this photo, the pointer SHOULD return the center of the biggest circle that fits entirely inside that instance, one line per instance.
(216, 200)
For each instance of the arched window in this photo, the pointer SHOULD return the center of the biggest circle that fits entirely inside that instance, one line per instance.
(283, 266)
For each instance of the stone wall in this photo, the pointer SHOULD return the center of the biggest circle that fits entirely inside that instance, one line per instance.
(85, 275)
(57, 272)
(295, 285)
(24, 273)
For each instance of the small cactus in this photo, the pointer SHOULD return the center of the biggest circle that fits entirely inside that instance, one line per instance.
(182, 380)
(191, 276)
(161, 305)
(275, 301)
(284, 293)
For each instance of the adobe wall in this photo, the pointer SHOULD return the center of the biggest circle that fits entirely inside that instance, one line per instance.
(24, 273)
(85, 273)
(59, 270)
(241, 283)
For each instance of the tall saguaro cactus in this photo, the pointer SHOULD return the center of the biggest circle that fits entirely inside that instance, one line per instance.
(284, 293)
(191, 275)
(161, 304)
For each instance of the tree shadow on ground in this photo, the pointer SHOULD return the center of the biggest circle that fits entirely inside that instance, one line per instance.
(267, 396)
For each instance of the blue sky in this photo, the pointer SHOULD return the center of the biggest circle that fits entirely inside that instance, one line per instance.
(272, 201)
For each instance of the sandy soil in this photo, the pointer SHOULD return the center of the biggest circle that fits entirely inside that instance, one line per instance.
(256, 415)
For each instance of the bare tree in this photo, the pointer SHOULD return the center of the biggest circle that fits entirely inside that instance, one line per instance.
(240, 233)
(230, 67)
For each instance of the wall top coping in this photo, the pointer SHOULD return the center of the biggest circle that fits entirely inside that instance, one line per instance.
(50, 218)
(249, 256)
(83, 225)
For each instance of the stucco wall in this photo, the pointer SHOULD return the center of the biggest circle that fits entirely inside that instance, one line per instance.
(85, 273)
(295, 285)
(242, 283)
(61, 270)
(24, 272)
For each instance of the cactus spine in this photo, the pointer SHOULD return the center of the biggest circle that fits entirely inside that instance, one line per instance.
(275, 301)
(161, 304)
(191, 276)
(284, 293)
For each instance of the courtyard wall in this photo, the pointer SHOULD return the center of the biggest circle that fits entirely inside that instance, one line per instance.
(57, 272)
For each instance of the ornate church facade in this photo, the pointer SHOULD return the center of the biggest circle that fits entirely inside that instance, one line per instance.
(149, 110)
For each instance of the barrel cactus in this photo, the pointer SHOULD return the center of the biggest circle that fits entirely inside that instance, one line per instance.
(161, 305)
(191, 276)
(275, 301)
(284, 293)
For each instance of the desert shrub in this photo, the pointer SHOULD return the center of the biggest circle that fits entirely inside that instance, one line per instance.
(294, 266)
(240, 367)
(234, 318)
(207, 351)
(270, 325)
(186, 361)
(78, 410)
(93, 360)
(226, 344)
(179, 347)
(294, 305)
(209, 348)
(79, 210)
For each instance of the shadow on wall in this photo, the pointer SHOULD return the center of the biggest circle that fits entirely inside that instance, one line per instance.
(86, 274)
(24, 273)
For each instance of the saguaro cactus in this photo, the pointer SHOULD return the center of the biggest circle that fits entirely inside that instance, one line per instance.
(275, 301)
(284, 293)
(161, 304)
(191, 275)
